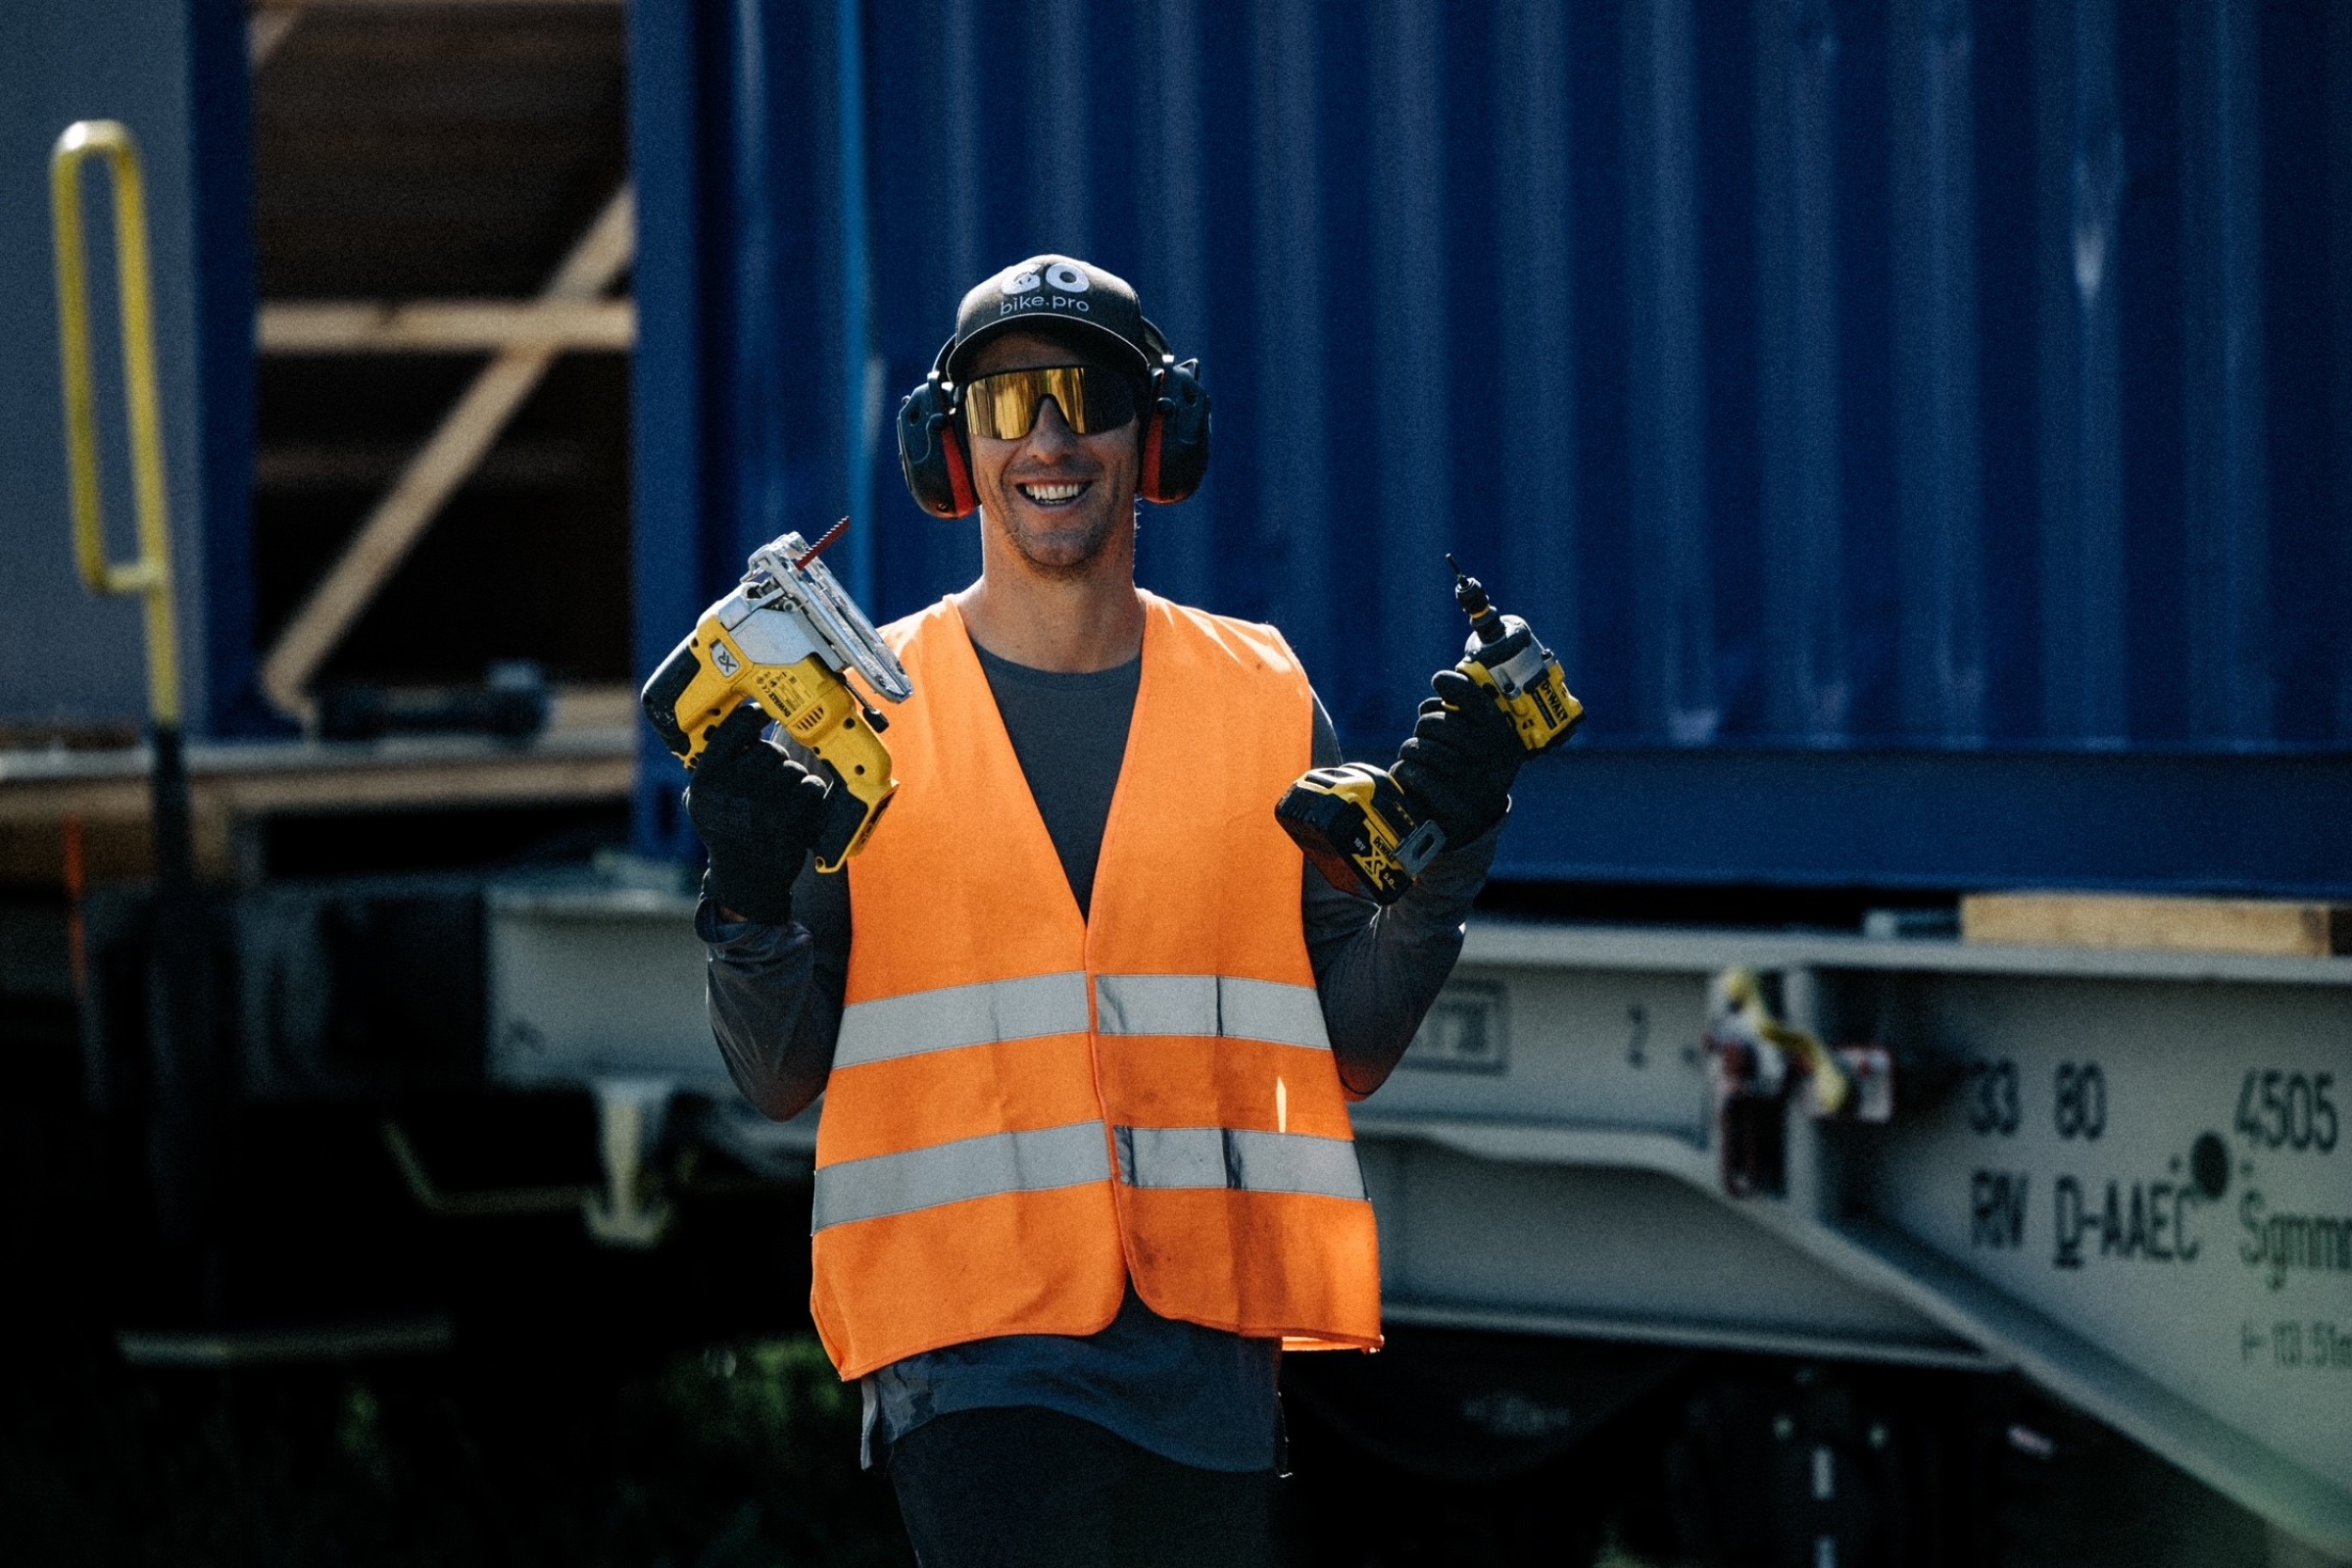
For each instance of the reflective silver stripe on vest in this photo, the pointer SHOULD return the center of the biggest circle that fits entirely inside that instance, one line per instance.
(968, 1168)
(1241, 1161)
(962, 1015)
(1209, 1004)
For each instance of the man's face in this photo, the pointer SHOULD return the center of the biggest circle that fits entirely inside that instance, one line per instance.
(1056, 497)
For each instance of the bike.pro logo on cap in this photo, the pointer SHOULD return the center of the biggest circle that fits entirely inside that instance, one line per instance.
(1063, 277)
(1058, 288)
(1046, 284)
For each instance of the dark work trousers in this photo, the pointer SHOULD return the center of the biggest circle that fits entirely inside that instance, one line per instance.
(1029, 1488)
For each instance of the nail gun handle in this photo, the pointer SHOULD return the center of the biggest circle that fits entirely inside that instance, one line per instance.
(843, 828)
(863, 784)
(707, 677)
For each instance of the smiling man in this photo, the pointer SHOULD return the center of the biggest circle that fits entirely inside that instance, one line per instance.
(1086, 1027)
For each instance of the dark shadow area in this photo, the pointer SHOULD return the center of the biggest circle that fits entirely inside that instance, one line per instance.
(343, 844)
(595, 1407)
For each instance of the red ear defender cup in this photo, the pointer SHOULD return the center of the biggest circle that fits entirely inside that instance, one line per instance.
(1147, 483)
(1175, 451)
(960, 471)
(931, 451)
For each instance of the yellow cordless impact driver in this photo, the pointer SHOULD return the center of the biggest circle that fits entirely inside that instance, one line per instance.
(787, 637)
(1357, 825)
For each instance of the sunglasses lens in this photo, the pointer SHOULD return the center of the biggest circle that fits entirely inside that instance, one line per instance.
(1108, 401)
(1092, 400)
(1002, 406)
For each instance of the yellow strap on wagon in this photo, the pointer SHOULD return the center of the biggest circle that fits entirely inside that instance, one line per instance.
(150, 574)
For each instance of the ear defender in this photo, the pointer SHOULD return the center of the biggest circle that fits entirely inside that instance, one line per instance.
(931, 450)
(1176, 434)
(1174, 450)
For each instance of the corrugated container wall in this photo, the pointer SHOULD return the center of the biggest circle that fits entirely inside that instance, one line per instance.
(1922, 429)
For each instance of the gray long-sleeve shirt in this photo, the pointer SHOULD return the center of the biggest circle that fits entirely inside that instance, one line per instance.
(1195, 1394)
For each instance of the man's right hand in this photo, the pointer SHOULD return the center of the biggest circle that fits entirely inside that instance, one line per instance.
(757, 811)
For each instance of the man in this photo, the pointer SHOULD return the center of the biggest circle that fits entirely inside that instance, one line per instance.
(1087, 1026)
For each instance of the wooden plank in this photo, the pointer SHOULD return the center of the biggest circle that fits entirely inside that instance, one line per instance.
(266, 29)
(268, 22)
(583, 759)
(444, 326)
(2276, 927)
(539, 780)
(583, 765)
(433, 476)
(451, 5)
(590, 708)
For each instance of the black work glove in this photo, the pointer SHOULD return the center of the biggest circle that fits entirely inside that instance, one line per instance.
(1463, 759)
(757, 811)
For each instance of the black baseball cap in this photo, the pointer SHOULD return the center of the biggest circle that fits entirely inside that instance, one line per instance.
(1058, 292)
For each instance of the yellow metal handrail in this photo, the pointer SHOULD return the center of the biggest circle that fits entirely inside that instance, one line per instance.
(150, 574)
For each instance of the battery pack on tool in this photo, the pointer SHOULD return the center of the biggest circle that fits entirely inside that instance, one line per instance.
(1358, 830)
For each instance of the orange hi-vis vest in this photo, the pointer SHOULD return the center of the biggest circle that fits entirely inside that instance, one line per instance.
(1030, 1107)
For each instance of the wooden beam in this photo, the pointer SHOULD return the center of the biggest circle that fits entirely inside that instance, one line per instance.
(444, 5)
(2276, 927)
(267, 22)
(594, 708)
(437, 469)
(444, 326)
(583, 756)
(265, 29)
(267, 8)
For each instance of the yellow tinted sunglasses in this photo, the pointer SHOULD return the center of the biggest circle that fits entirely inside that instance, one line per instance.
(1004, 406)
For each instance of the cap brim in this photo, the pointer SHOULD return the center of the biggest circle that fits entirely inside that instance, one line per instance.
(1125, 355)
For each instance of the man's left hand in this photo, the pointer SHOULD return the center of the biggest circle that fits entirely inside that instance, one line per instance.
(1464, 756)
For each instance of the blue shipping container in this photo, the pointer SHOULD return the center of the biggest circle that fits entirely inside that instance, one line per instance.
(1923, 429)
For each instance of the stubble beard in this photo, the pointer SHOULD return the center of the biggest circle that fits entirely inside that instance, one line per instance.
(1061, 554)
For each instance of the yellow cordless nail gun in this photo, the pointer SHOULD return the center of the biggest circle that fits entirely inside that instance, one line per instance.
(786, 638)
(1354, 822)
